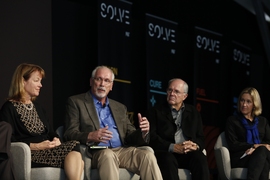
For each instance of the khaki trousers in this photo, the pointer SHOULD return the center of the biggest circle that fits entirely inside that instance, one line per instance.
(140, 161)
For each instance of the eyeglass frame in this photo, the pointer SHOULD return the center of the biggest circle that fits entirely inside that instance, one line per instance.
(176, 92)
(99, 80)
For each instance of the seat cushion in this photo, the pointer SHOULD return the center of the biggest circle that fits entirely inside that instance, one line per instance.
(184, 174)
(46, 173)
(123, 175)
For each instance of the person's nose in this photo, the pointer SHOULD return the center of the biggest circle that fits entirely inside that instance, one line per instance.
(102, 82)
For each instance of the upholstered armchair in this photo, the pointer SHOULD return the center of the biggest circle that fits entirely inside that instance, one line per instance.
(124, 174)
(222, 155)
(22, 165)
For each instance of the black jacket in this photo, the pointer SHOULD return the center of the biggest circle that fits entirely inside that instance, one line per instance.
(163, 127)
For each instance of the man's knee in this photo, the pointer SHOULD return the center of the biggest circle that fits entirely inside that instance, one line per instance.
(200, 158)
(107, 153)
(147, 156)
(105, 157)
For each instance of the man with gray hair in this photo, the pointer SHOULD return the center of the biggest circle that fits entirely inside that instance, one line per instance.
(177, 134)
(94, 119)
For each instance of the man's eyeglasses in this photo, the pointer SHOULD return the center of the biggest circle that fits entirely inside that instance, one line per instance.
(105, 81)
(176, 92)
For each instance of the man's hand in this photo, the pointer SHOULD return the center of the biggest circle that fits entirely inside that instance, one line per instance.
(143, 124)
(185, 147)
(179, 149)
(100, 135)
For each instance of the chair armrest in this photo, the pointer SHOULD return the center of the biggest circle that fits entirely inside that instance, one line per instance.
(223, 160)
(87, 162)
(22, 160)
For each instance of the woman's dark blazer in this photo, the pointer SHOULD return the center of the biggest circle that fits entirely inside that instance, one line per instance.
(235, 134)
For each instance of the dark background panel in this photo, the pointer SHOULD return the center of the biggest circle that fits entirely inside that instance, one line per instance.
(63, 37)
(74, 46)
(114, 46)
(26, 37)
(162, 53)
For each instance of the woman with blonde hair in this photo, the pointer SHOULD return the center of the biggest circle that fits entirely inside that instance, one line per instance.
(30, 125)
(248, 136)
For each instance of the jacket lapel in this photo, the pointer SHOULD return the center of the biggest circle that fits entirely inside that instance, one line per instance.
(89, 105)
(167, 112)
(116, 114)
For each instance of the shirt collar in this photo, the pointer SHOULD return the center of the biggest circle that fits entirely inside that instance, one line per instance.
(181, 109)
(97, 102)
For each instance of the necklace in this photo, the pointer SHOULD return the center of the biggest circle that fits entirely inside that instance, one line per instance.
(28, 106)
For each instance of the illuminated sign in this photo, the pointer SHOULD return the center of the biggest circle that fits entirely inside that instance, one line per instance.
(161, 49)
(241, 57)
(163, 30)
(209, 44)
(240, 70)
(207, 59)
(114, 13)
(114, 47)
(160, 32)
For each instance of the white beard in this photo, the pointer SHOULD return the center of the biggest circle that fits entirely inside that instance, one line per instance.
(101, 94)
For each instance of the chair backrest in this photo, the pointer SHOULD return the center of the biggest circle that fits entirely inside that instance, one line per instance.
(221, 141)
(222, 156)
(60, 132)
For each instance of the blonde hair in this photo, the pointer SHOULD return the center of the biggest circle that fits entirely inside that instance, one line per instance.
(257, 104)
(21, 74)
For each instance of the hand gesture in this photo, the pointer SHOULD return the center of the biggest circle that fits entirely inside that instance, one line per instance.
(143, 124)
(100, 135)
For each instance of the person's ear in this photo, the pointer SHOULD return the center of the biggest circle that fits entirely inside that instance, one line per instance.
(185, 96)
(111, 86)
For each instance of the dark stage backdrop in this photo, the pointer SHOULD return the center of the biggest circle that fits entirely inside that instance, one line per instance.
(240, 71)
(114, 48)
(146, 43)
(26, 37)
(208, 55)
(162, 54)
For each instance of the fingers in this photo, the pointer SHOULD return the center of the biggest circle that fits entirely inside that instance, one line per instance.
(143, 123)
(104, 135)
(139, 117)
(47, 144)
(57, 141)
(189, 146)
(250, 151)
(179, 148)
